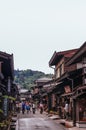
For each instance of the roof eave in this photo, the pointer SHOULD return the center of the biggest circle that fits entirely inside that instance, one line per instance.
(80, 51)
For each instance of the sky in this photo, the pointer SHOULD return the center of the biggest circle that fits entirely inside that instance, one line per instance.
(32, 30)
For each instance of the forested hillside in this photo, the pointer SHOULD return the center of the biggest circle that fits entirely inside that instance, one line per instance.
(27, 77)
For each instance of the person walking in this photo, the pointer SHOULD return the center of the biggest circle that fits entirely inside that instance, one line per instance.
(41, 108)
(66, 110)
(27, 107)
(17, 107)
(23, 107)
(33, 108)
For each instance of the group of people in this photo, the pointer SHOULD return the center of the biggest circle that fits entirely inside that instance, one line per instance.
(26, 106)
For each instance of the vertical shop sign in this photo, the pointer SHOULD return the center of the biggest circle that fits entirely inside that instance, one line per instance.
(5, 106)
(9, 85)
(53, 100)
(67, 89)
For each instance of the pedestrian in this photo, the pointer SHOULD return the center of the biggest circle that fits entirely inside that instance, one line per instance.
(18, 107)
(33, 108)
(41, 108)
(27, 107)
(30, 106)
(23, 107)
(66, 110)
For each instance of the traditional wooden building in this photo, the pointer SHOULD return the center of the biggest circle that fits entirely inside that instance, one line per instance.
(61, 86)
(69, 84)
(78, 78)
(25, 95)
(8, 89)
(38, 90)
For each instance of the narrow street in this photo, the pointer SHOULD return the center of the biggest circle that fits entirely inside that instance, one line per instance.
(36, 121)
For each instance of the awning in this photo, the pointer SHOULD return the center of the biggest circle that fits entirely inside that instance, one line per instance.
(9, 97)
(45, 94)
(66, 94)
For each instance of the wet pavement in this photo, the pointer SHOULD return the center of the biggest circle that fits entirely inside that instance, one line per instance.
(36, 121)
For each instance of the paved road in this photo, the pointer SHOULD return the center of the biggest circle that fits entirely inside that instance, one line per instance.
(37, 122)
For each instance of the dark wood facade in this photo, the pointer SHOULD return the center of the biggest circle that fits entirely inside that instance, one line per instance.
(69, 83)
(79, 86)
(8, 90)
(62, 83)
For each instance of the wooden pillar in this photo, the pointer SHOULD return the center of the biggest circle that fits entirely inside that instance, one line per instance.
(49, 102)
(0, 67)
(74, 112)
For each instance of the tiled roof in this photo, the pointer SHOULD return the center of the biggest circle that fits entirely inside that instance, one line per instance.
(81, 51)
(58, 55)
